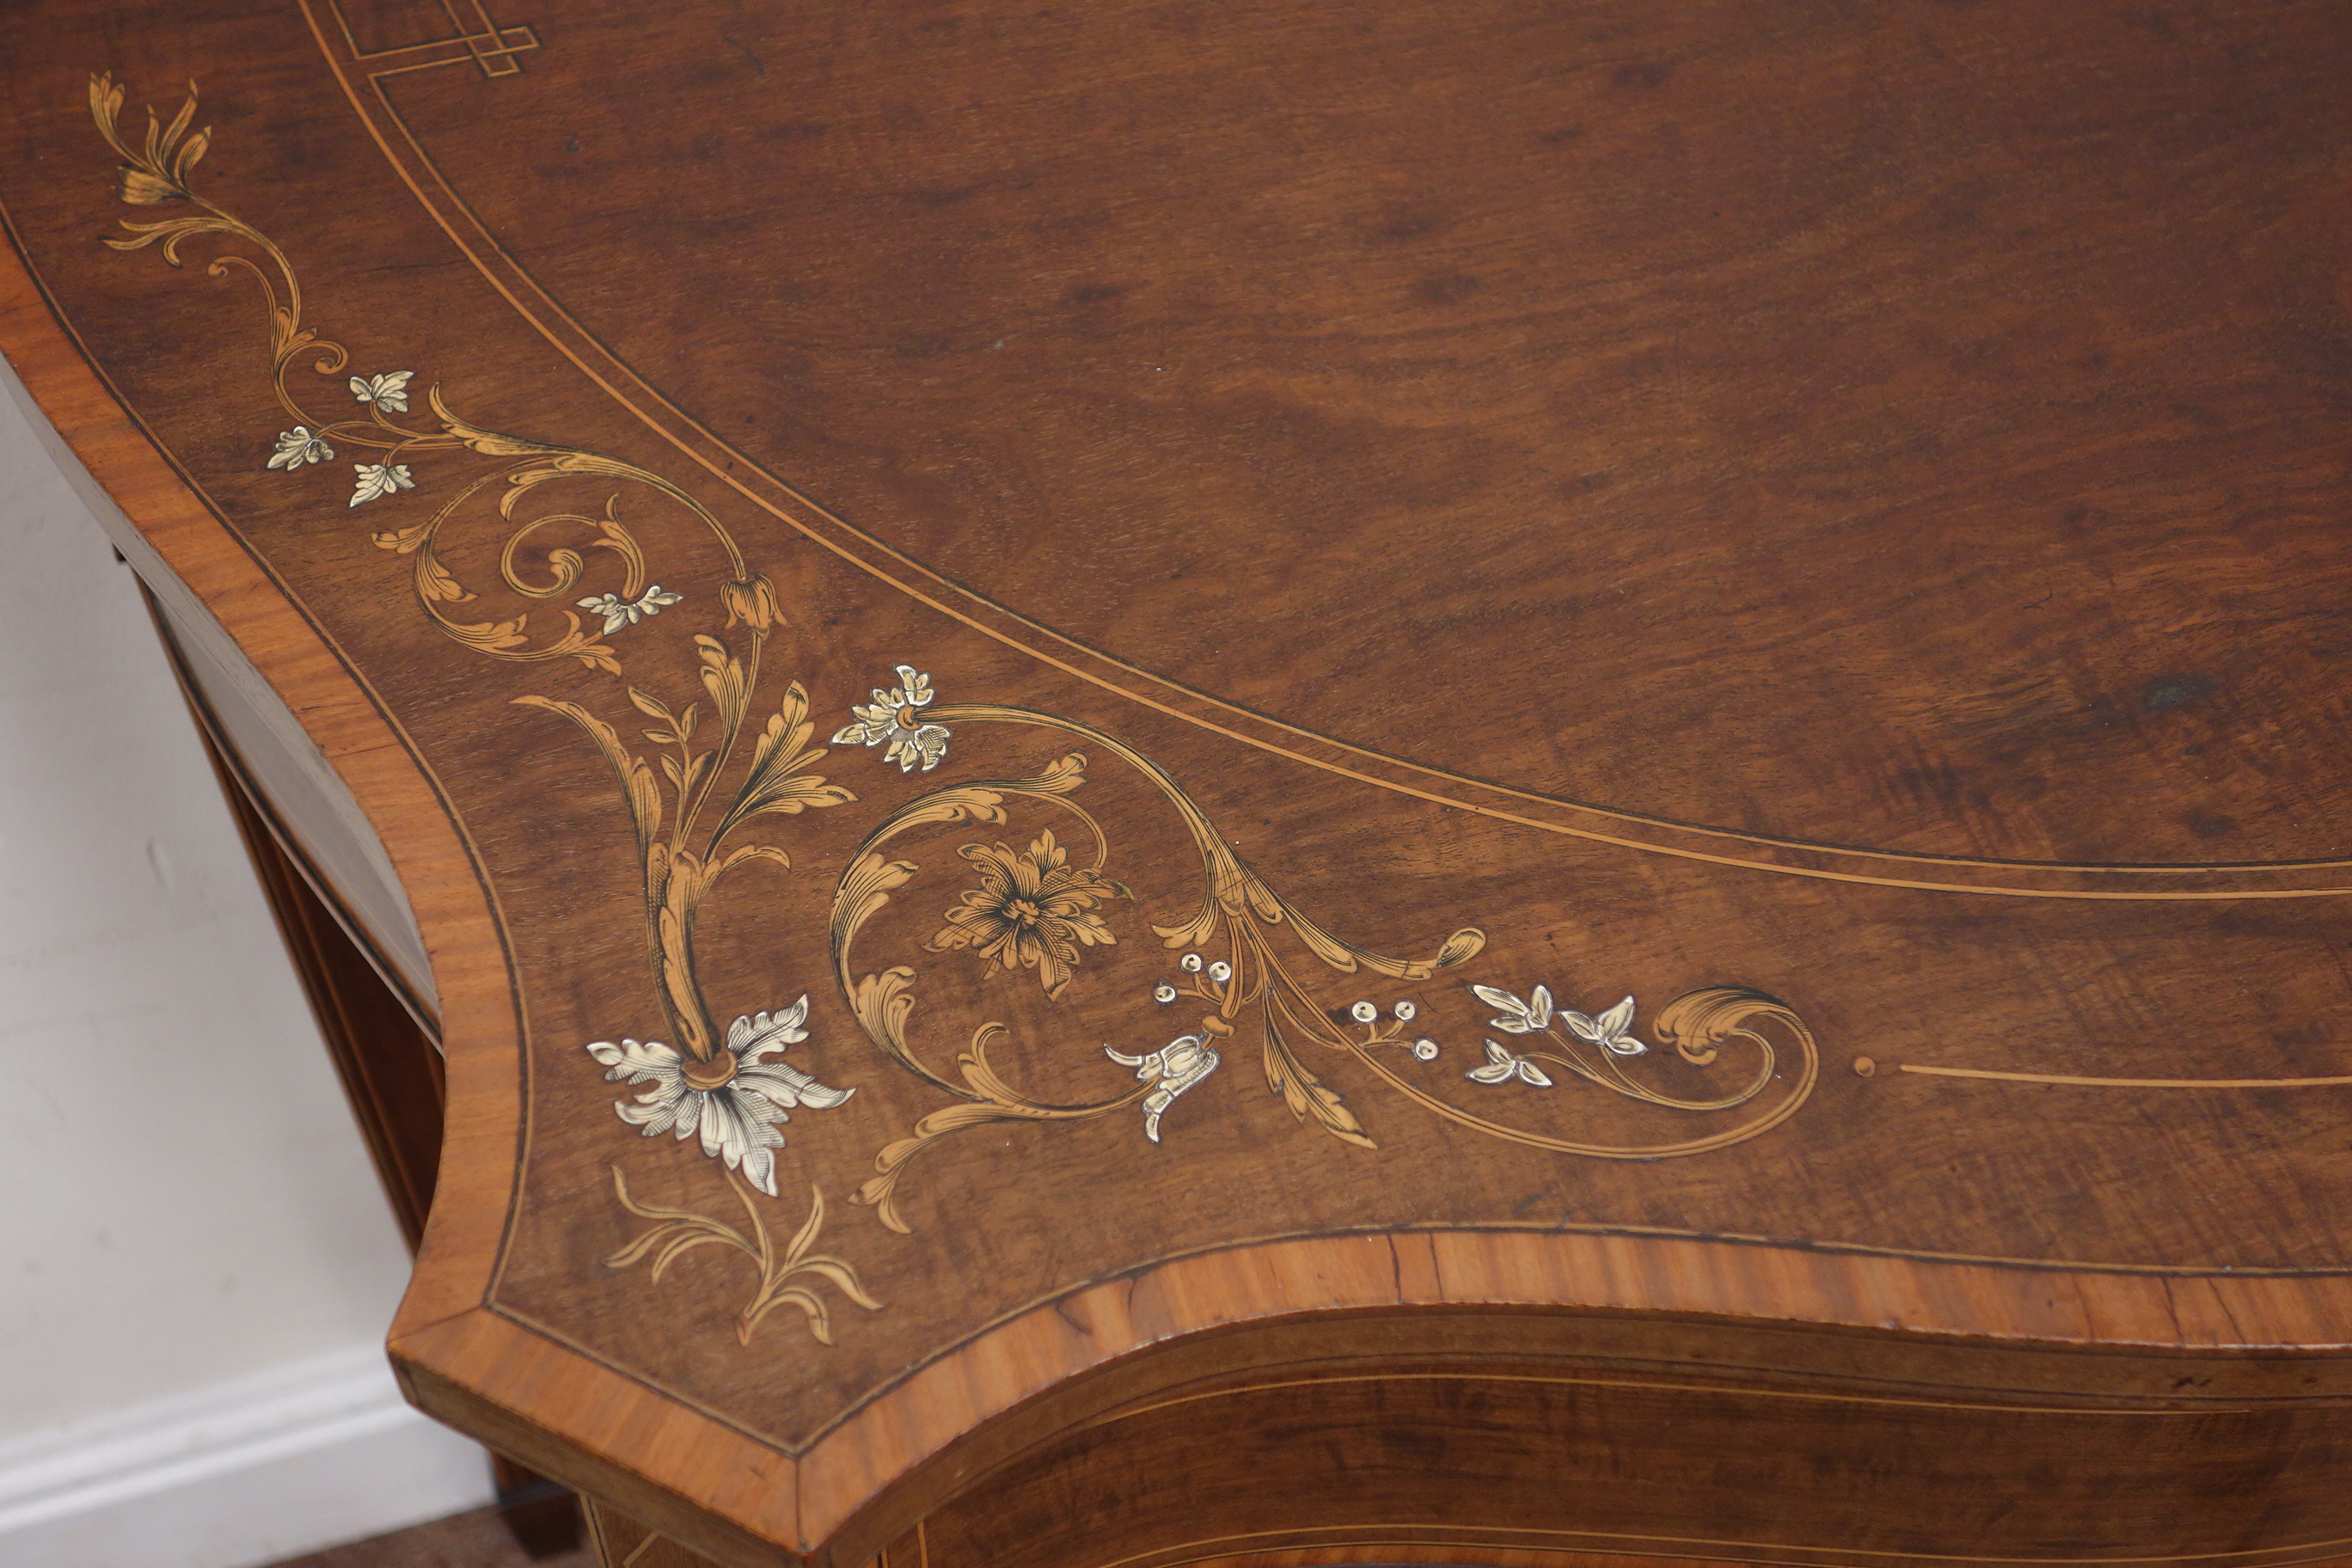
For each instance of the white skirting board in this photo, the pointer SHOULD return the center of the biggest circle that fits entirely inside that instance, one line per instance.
(236, 1474)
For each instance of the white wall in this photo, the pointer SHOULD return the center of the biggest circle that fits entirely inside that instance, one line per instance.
(197, 1267)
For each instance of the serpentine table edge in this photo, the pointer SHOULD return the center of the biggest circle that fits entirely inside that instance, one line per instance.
(1842, 1323)
(873, 1477)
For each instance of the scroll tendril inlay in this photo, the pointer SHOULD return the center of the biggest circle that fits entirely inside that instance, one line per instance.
(729, 1091)
(1241, 915)
(1039, 908)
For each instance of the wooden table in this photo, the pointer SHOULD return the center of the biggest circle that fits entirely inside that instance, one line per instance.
(1290, 782)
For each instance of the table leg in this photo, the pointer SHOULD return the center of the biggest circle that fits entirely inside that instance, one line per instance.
(387, 1061)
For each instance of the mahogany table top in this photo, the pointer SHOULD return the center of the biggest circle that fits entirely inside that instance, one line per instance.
(1123, 668)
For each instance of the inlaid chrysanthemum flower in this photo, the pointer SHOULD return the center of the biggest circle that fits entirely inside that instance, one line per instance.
(1033, 909)
(388, 390)
(733, 1102)
(379, 479)
(619, 611)
(298, 446)
(896, 716)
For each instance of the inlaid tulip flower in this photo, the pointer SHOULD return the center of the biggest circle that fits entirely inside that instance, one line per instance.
(1170, 1070)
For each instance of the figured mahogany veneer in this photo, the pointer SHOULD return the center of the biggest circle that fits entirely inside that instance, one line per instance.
(1379, 783)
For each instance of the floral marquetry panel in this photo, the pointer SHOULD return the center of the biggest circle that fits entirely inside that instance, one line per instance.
(1299, 778)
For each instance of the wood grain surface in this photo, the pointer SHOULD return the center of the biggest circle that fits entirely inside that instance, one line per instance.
(1090, 646)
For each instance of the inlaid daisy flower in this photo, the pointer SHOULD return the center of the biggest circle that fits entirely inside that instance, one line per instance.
(896, 716)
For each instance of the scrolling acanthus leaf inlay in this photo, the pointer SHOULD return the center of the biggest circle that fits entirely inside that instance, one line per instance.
(723, 1091)
(1033, 909)
(1030, 906)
